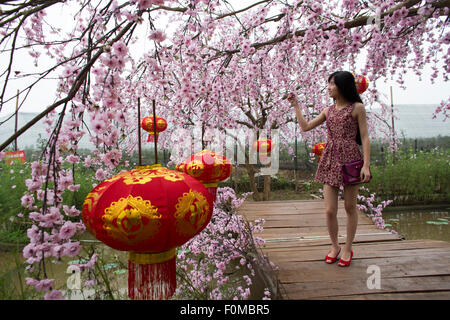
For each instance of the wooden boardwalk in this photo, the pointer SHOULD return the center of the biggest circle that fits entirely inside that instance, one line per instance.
(297, 242)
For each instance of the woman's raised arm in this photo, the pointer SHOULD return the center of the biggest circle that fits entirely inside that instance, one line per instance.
(305, 125)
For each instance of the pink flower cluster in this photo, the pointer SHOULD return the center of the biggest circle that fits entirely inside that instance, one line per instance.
(366, 205)
(51, 234)
(145, 4)
(224, 248)
(443, 110)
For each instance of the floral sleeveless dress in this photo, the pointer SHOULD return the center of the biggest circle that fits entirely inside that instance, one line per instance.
(341, 145)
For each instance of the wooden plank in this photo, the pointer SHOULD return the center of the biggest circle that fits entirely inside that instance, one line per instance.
(280, 226)
(399, 246)
(342, 222)
(419, 295)
(391, 245)
(315, 271)
(326, 289)
(359, 238)
(318, 255)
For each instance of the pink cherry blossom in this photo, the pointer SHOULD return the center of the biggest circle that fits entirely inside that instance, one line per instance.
(73, 187)
(73, 159)
(42, 285)
(158, 36)
(100, 174)
(71, 249)
(67, 230)
(120, 49)
(54, 295)
(71, 212)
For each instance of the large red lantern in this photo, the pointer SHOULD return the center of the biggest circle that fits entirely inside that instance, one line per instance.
(362, 83)
(207, 167)
(149, 212)
(318, 149)
(148, 125)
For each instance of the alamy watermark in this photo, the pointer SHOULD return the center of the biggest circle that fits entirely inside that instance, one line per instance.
(74, 281)
(374, 280)
(374, 20)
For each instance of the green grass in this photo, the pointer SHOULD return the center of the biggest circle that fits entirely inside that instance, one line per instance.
(420, 177)
(12, 189)
(12, 278)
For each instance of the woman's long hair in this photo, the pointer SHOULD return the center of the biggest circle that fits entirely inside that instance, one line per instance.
(345, 82)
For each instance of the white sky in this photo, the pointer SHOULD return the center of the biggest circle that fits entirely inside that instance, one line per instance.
(417, 92)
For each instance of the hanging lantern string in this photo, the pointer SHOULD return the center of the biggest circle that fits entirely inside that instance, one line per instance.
(139, 132)
(154, 128)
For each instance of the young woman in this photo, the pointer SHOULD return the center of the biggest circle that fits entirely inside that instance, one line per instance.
(345, 116)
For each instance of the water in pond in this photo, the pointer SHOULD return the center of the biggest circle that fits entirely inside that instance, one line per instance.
(416, 224)
(112, 265)
(69, 280)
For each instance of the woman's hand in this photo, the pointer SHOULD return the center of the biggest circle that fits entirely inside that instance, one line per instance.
(292, 98)
(365, 174)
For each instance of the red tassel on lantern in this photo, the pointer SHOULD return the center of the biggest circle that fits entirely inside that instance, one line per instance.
(151, 137)
(150, 277)
(212, 189)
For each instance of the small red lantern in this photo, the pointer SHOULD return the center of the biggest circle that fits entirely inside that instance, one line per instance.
(207, 167)
(362, 83)
(147, 125)
(318, 149)
(263, 145)
(148, 211)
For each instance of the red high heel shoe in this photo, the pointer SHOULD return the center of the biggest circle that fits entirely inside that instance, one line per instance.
(343, 263)
(330, 260)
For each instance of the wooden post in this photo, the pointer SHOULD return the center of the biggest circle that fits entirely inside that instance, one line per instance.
(235, 157)
(392, 120)
(203, 136)
(139, 133)
(295, 156)
(154, 128)
(16, 120)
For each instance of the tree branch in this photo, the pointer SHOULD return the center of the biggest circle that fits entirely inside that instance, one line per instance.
(73, 91)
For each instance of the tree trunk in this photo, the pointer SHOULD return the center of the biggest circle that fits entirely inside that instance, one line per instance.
(267, 188)
(251, 177)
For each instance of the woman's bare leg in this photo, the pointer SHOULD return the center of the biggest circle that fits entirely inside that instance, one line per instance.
(350, 198)
(331, 205)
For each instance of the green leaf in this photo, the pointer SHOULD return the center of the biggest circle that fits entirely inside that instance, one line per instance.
(437, 222)
(120, 271)
(179, 250)
(109, 266)
(78, 261)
